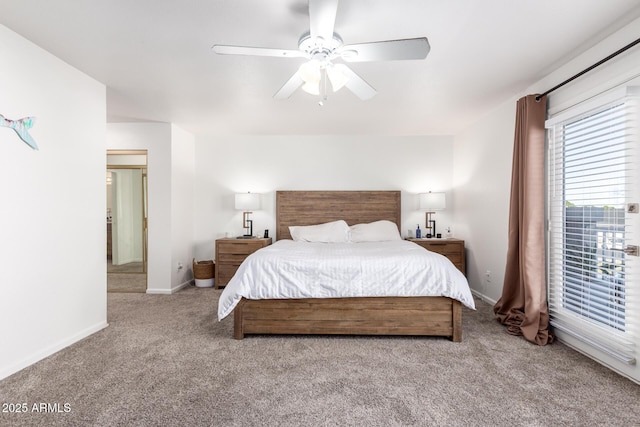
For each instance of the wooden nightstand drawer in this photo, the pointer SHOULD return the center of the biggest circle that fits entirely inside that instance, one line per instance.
(455, 258)
(453, 249)
(226, 271)
(441, 247)
(239, 247)
(225, 257)
(230, 253)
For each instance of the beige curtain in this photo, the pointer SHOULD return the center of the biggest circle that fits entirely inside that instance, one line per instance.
(523, 305)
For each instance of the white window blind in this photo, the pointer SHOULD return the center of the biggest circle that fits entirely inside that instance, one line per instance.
(592, 170)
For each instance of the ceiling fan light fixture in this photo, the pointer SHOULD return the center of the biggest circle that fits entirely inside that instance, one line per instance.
(337, 76)
(310, 72)
(312, 88)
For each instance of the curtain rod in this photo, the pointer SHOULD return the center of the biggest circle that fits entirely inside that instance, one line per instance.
(586, 70)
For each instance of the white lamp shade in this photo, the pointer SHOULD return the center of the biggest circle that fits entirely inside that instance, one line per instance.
(311, 88)
(432, 201)
(337, 76)
(310, 72)
(247, 201)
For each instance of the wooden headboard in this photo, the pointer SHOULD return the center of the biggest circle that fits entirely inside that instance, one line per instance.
(317, 207)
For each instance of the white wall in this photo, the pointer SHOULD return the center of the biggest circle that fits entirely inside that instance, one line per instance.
(52, 220)
(170, 194)
(482, 175)
(264, 164)
(182, 205)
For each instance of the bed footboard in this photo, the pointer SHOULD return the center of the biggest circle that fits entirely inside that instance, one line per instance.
(437, 316)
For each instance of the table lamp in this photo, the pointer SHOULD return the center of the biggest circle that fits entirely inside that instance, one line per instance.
(431, 202)
(247, 202)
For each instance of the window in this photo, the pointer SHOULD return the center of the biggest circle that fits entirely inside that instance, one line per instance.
(591, 188)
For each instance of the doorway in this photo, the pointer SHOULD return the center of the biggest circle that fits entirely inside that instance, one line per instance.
(127, 221)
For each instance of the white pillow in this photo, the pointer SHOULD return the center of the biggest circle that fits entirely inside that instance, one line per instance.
(330, 232)
(377, 231)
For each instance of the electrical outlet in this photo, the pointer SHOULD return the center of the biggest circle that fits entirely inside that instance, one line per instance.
(180, 266)
(487, 277)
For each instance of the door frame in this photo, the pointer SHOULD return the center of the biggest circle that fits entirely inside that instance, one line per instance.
(136, 164)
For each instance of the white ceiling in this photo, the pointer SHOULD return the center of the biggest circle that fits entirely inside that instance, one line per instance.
(155, 58)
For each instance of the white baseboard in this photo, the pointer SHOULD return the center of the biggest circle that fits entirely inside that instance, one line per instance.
(181, 286)
(483, 297)
(173, 290)
(159, 291)
(48, 351)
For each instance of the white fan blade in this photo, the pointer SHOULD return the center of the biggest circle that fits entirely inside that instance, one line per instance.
(289, 87)
(257, 51)
(357, 85)
(322, 18)
(389, 50)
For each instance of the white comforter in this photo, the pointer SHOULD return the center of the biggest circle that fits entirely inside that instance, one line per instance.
(289, 269)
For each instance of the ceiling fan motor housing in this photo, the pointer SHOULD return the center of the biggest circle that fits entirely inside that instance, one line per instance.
(319, 48)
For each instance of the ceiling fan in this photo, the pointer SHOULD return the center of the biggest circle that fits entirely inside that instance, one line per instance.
(321, 46)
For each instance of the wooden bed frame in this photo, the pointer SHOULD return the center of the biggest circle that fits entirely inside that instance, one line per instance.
(440, 316)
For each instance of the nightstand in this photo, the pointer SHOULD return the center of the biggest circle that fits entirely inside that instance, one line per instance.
(451, 248)
(230, 253)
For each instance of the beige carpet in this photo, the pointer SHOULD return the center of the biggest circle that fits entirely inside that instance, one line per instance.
(166, 361)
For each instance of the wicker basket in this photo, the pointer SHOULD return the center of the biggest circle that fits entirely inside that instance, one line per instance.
(203, 269)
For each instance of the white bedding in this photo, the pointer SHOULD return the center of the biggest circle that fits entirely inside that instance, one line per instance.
(289, 269)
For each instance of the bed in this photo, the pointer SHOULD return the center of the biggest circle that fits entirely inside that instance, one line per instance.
(261, 313)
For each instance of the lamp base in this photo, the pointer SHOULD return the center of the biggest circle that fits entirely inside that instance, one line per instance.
(244, 237)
